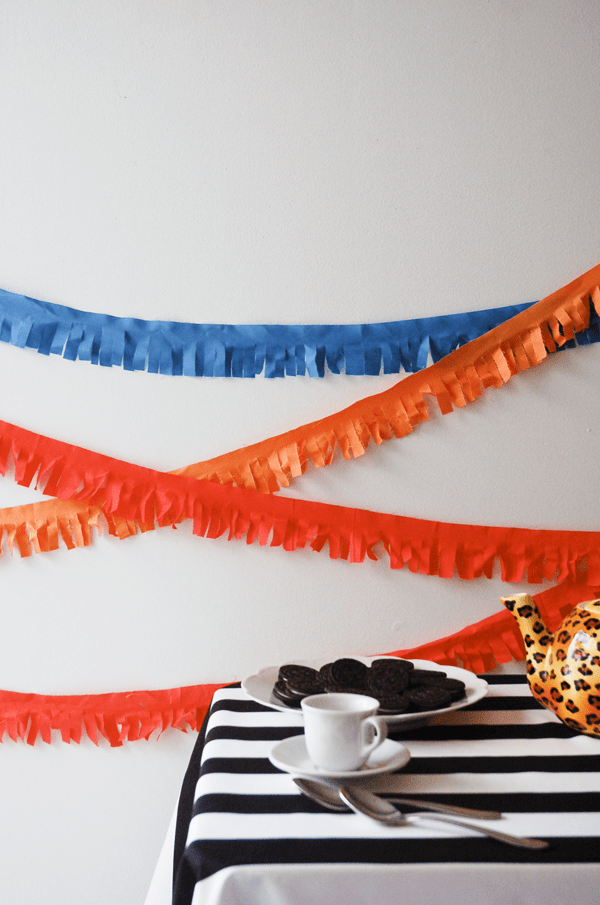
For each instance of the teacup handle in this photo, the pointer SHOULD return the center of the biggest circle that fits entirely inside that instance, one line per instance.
(379, 726)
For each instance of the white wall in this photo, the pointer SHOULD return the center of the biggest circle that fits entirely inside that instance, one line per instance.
(271, 161)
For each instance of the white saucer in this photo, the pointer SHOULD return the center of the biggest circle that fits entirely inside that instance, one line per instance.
(291, 756)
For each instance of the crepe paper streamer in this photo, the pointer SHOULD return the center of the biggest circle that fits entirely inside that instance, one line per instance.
(227, 350)
(41, 527)
(116, 717)
(486, 644)
(71, 472)
(134, 497)
(129, 716)
(456, 380)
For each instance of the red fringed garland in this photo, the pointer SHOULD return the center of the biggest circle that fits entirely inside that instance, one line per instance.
(133, 497)
(497, 639)
(116, 717)
(128, 716)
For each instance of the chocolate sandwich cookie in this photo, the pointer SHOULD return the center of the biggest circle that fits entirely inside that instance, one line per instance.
(348, 673)
(405, 664)
(295, 671)
(325, 673)
(296, 681)
(429, 697)
(306, 685)
(456, 687)
(390, 665)
(281, 692)
(420, 676)
(398, 703)
(334, 688)
(387, 680)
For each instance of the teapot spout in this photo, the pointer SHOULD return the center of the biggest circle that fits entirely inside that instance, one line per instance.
(536, 637)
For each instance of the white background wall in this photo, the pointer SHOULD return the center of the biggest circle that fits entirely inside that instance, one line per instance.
(255, 161)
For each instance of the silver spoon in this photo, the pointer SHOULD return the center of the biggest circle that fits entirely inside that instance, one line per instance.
(363, 802)
(328, 796)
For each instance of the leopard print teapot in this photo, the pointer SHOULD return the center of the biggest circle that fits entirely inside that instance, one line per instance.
(563, 669)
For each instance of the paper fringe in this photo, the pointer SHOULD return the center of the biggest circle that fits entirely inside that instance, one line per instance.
(116, 717)
(129, 716)
(133, 497)
(458, 379)
(482, 646)
(42, 527)
(225, 350)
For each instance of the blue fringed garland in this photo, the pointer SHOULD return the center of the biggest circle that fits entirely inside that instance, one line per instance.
(226, 350)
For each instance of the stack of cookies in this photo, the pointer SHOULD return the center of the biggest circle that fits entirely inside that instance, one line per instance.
(397, 684)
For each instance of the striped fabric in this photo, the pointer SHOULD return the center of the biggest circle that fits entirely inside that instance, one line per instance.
(504, 753)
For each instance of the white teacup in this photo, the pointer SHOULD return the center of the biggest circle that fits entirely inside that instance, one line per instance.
(341, 730)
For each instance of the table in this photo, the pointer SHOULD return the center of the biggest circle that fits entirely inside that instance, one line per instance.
(246, 836)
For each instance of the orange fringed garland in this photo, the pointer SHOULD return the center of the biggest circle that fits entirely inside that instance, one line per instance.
(128, 716)
(459, 378)
(41, 527)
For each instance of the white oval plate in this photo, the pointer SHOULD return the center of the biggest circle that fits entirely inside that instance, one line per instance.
(260, 688)
(291, 756)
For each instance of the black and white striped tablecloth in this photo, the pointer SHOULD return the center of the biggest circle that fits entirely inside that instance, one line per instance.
(240, 817)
